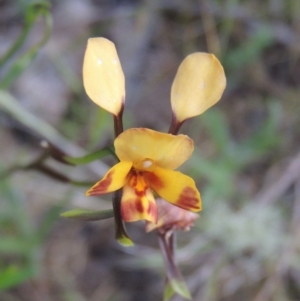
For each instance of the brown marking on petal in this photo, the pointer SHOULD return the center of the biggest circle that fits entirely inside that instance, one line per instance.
(139, 206)
(133, 179)
(103, 185)
(188, 199)
(127, 209)
(139, 193)
(153, 180)
(138, 183)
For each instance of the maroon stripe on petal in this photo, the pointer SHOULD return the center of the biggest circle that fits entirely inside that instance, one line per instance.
(188, 199)
(102, 186)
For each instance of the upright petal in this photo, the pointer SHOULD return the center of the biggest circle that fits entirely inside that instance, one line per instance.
(198, 84)
(114, 179)
(103, 77)
(137, 201)
(175, 187)
(168, 151)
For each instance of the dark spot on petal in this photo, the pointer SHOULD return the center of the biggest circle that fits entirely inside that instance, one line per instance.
(133, 178)
(138, 183)
(188, 199)
(139, 193)
(102, 186)
(153, 180)
(139, 206)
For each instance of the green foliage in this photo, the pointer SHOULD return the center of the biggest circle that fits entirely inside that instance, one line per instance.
(168, 292)
(124, 240)
(19, 237)
(249, 51)
(88, 215)
(13, 275)
(32, 12)
(97, 155)
(178, 287)
(231, 157)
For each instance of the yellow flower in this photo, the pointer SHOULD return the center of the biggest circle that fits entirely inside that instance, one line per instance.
(148, 158)
(147, 162)
(103, 77)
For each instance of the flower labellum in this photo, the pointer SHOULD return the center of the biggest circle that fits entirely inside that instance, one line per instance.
(171, 218)
(198, 85)
(147, 162)
(103, 77)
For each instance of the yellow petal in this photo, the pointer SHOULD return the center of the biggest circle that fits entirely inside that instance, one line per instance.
(166, 150)
(198, 84)
(103, 77)
(175, 187)
(114, 179)
(137, 201)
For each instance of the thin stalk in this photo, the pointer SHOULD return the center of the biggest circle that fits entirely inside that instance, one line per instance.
(174, 277)
(118, 122)
(171, 268)
(174, 129)
(121, 234)
(18, 43)
(175, 125)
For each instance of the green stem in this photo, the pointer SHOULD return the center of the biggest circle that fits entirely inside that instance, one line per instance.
(18, 43)
(24, 60)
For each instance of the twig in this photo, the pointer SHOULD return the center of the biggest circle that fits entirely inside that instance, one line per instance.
(296, 209)
(11, 106)
(211, 35)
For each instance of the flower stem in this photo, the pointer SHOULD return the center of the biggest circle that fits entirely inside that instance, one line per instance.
(118, 122)
(175, 125)
(171, 268)
(121, 235)
(174, 129)
(174, 277)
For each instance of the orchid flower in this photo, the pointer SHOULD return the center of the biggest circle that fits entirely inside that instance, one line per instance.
(148, 158)
(147, 162)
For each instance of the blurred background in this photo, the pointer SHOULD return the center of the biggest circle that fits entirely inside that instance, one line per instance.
(245, 244)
